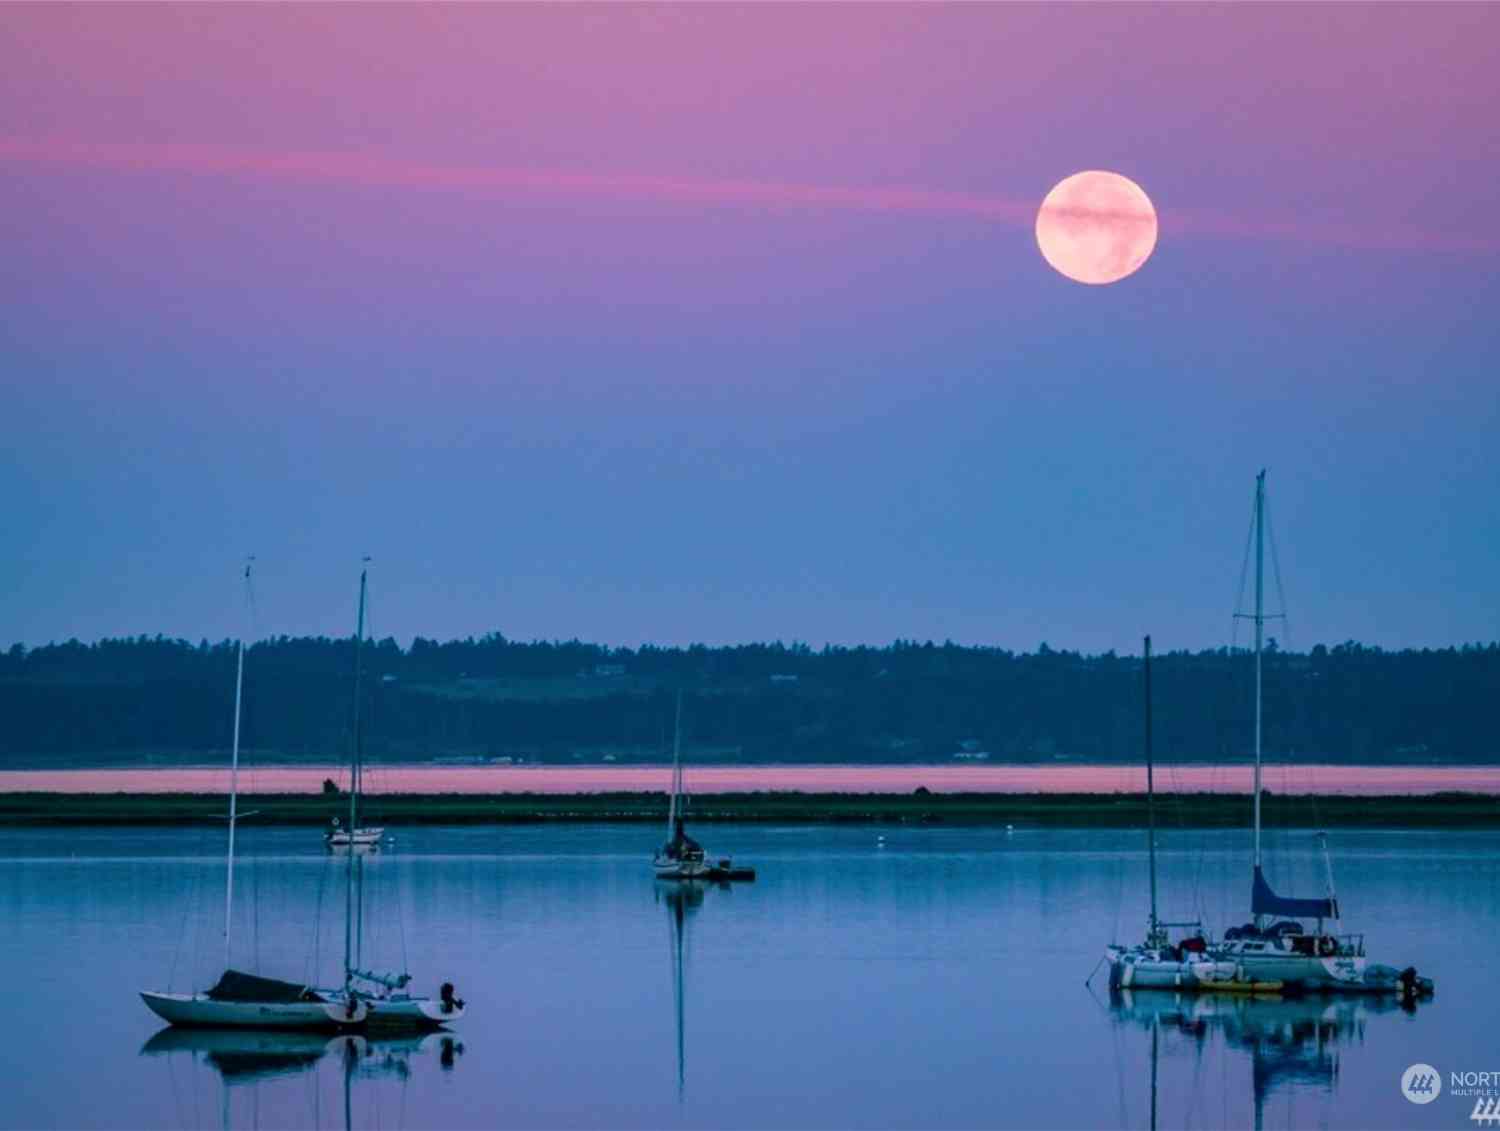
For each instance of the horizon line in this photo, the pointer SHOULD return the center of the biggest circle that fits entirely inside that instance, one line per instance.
(812, 651)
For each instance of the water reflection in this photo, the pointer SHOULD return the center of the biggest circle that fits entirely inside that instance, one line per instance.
(683, 898)
(1290, 1042)
(248, 1058)
(242, 1056)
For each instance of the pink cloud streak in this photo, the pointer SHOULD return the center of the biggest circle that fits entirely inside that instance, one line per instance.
(375, 170)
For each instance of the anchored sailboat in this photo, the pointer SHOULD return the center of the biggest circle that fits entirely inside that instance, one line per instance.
(237, 998)
(682, 857)
(1275, 946)
(1158, 962)
(352, 837)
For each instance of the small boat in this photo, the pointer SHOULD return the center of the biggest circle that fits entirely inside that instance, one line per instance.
(354, 836)
(1276, 946)
(239, 999)
(682, 857)
(391, 1008)
(363, 838)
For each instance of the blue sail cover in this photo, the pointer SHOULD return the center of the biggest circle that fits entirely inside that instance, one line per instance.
(1264, 901)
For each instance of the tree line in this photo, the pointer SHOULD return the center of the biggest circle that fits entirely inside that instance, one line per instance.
(153, 698)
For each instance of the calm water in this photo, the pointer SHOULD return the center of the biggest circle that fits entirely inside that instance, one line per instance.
(934, 981)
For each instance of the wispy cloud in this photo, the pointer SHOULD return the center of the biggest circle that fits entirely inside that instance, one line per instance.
(376, 170)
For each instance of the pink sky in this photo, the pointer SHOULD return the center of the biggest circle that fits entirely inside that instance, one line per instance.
(511, 296)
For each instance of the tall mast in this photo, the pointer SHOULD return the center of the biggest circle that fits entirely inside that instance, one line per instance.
(1150, 791)
(354, 783)
(234, 773)
(1260, 620)
(674, 809)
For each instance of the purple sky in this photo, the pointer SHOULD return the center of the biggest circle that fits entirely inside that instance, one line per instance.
(714, 323)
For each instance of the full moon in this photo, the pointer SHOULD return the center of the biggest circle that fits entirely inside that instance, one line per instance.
(1096, 227)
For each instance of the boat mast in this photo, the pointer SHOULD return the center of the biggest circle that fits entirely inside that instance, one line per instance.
(674, 809)
(1260, 620)
(234, 774)
(354, 776)
(1150, 793)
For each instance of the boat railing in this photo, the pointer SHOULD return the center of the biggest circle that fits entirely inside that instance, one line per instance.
(1351, 945)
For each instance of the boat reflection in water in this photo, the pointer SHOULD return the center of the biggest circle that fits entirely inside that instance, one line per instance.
(683, 899)
(1292, 1043)
(241, 1057)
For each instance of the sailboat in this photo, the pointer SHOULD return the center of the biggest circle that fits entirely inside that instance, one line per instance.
(1276, 945)
(1158, 962)
(353, 837)
(682, 857)
(383, 994)
(237, 998)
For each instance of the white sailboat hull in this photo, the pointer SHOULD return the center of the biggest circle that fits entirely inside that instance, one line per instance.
(200, 1009)
(1306, 972)
(669, 869)
(412, 1013)
(360, 838)
(1133, 969)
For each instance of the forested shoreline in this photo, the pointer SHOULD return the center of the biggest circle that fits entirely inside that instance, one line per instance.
(484, 699)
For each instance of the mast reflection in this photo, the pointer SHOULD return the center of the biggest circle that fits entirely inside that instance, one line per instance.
(683, 899)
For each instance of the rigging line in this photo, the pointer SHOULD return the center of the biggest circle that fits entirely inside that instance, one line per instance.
(318, 920)
(1239, 596)
(1286, 630)
(182, 932)
(401, 922)
(198, 889)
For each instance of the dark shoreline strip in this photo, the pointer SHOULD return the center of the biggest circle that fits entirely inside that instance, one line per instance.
(1204, 810)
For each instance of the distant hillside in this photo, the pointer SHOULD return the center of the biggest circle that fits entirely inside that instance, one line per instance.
(478, 699)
